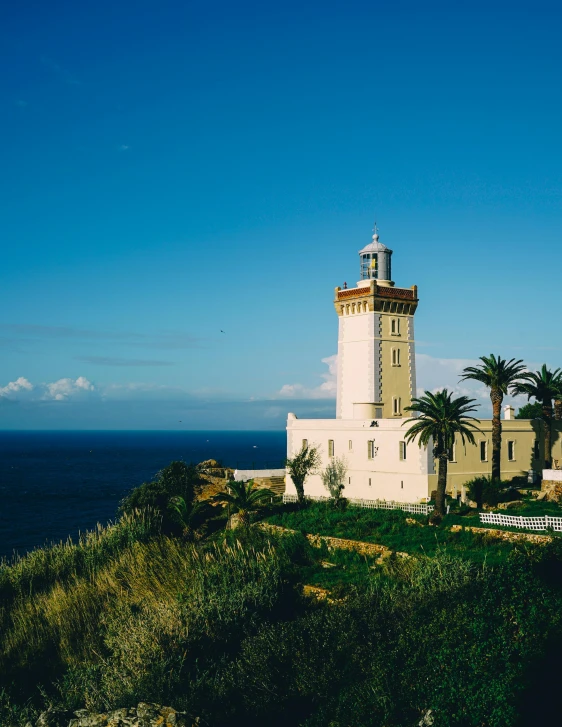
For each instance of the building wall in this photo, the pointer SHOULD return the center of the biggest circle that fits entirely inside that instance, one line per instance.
(384, 476)
(358, 361)
(367, 371)
(397, 378)
(468, 464)
(387, 476)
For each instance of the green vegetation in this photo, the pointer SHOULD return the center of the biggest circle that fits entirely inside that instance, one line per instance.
(178, 479)
(544, 386)
(438, 418)
(530, 411)
(304, 463)
(462, 633)
(245, 500)
(501, 377)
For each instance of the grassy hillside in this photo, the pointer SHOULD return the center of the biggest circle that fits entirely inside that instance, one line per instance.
(463, 632)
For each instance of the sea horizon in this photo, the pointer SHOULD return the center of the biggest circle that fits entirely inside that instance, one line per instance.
(58, 483)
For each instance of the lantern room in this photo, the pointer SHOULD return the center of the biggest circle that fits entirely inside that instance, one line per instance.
(375, 261)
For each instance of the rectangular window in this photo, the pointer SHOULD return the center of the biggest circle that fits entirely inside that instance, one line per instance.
(350, 445)
(330, 447)
(371, 449)
(396, 357)
(396, 405)
(369, 481)
(511, 451)
(395, 326)
(402, 450)
(483, 451)
(304, 443)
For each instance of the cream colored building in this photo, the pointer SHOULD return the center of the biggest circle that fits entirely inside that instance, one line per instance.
(376, 381)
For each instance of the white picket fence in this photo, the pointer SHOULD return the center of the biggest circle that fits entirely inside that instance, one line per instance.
(415, 509)
(519, 521)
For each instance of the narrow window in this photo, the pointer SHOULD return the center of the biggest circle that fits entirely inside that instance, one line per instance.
(304, 443)
(401, 484)
(402, 450)
(395, 326)
(483, 451)
(369, 481)
(394, 357)
(349, 480)
(370, 449)
(396, 405)
(330, 447)
(511, 451)
(350, 445)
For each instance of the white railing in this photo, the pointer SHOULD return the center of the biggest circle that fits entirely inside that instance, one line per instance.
(416, 509)
(518, 521)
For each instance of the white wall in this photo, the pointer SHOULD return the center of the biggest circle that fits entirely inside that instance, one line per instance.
(391, 478)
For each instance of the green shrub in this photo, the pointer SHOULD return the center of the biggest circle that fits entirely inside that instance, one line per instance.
(178, 479)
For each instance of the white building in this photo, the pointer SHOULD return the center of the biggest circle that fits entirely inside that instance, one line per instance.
(376, 381)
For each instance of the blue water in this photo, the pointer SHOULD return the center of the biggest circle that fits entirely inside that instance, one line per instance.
(56, 484)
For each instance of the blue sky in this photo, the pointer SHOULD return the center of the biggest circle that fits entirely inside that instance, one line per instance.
(171, 170)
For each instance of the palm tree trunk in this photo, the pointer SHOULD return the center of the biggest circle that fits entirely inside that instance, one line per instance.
(558, 409)
(441, 485)
(497, 397)
(547, 418)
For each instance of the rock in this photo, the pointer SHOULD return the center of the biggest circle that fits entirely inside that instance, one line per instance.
(144, 715)
(54, 718)
(509, 505)
(541, 496)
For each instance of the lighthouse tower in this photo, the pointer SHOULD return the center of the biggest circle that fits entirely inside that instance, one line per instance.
(376, 356)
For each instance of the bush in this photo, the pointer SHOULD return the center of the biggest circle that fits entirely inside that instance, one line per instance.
(483, 490)
(178, 479)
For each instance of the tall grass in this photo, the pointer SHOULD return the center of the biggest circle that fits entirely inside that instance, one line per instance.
(41, 568)
(126, 630)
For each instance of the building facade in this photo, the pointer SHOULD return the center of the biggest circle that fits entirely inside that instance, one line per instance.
(376, 382)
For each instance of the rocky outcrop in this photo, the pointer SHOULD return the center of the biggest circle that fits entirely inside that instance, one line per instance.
(552, 490)
(144, 715)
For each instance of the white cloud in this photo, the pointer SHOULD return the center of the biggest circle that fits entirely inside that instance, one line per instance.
(23, 390)
(13, 388)
(65, 388)
(326, 390)
(433, 374)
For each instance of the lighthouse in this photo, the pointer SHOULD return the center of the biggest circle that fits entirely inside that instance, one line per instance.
(376, 353)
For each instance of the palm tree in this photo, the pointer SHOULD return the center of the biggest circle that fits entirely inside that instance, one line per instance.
(245, 499)
(302, 465)
(438, 418)
(544, 386)
(500, 376)
(186, 514)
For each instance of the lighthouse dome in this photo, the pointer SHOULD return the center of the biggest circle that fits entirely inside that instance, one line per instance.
(375, 260)
(375, 246)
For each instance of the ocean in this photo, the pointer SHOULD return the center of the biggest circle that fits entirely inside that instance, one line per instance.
(56, 484)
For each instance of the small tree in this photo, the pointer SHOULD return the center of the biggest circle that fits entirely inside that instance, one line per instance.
(530, 411)
(187, 515)
(300, 466)
(245, 499)
(333, 478)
